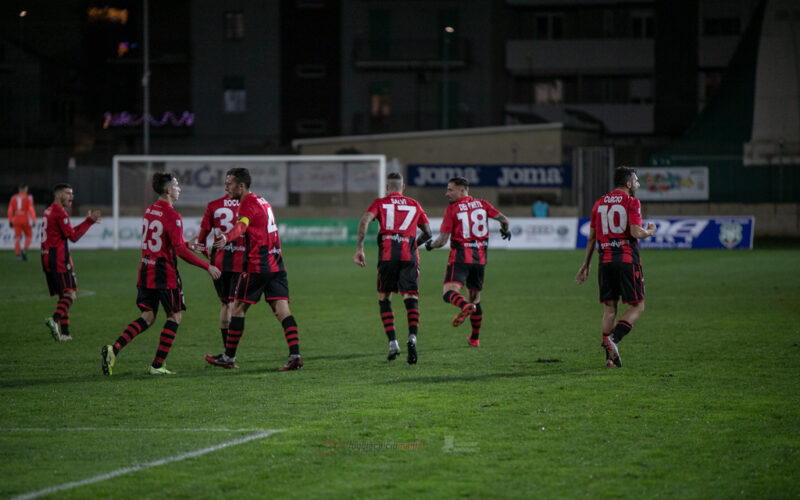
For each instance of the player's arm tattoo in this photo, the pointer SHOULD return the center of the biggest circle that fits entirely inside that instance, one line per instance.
(362, 229)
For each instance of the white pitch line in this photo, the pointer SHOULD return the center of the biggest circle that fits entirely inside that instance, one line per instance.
(148, 465)
(130, 429)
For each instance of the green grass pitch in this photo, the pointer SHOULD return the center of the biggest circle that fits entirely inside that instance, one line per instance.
(707, 405)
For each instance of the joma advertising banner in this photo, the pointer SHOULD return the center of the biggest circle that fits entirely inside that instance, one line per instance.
(437, 175)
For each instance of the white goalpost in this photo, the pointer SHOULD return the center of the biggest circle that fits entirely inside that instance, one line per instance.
(276, 177)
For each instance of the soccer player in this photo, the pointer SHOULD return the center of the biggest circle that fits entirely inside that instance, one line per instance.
(21, 216)
(466, 224)
(219, 218)
(159, 280)
(398, 258)
(616, 226)
(265, 273)
(56, 260)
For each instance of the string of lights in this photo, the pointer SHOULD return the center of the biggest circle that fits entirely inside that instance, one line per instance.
(125, 119)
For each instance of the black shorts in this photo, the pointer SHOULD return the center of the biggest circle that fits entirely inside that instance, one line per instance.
(470, 275)
(226, 286)
(621, 279)
(398, 276)
(250, 287)
(59, 283)
(172, 299)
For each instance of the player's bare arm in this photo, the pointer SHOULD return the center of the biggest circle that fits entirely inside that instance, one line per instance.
(359, 257)
(438, 242)
(583, 272)
(238, 230)
(214, 272)
(426, 234)
(638, 232)
(503, 220)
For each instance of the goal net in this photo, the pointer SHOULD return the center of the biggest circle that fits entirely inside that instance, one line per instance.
(282, 180)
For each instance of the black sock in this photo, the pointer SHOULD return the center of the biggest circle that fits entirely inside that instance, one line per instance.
(412, 311)
(476, 318)
(290, 333)
(224, 336)
(235, 332)
(387, 317)
(622, 329)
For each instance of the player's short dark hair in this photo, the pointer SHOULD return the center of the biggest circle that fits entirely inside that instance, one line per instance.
(240, 174)
(22, 186)
(622, 175)
(394, 180)
(161, 180)
(460, 181)
(60, 187)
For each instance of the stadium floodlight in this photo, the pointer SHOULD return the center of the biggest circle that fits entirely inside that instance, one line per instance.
(274, 177)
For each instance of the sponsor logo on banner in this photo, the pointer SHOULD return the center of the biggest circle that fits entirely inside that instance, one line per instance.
(730, 234)
(202, 182)
(528, 233)
(691, 232)
(492, 175)
(672, 183)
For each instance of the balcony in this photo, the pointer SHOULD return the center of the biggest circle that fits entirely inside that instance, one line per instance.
(410, 55)
(585, 56)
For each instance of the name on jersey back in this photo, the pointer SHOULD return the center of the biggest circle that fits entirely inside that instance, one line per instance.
(612, 199)
(470, 205)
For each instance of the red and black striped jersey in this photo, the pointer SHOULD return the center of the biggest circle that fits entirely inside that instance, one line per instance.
(261, 237)
(221, 214)
(56, 230)
(162, 233)
(612, 217)
(467, 222)
(399, 217)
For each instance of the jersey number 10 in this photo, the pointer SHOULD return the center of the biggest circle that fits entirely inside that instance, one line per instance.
(607, 219)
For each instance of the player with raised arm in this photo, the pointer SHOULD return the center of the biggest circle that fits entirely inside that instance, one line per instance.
(56, 259)
(219, 218)
(398, 258)
(466, 225)
(22, 216)
(159, 281)
(264, 275)
(616, 227)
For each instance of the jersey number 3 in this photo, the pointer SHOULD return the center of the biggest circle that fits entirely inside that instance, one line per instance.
(151, 236)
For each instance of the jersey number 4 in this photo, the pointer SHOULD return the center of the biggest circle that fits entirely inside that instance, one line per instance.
(389, 208)
(613, 219)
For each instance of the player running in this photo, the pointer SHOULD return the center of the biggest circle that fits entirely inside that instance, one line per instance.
(466, 224)
(265, 273)
(22, 216)
(219, 218)
(56, 259)
(616, 226)
(398, 258)
(159, 281)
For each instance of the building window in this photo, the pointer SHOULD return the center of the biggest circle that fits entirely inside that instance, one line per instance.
(641, 90)
(549, 92)
(642, 24)
(380, 100)
(234, 95)
(310, 127)
(549, 26)
(309, 71)
(234, 25)
(721, 26)
(310, 4)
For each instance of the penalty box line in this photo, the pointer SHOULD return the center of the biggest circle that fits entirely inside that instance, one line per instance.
(148, 465)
